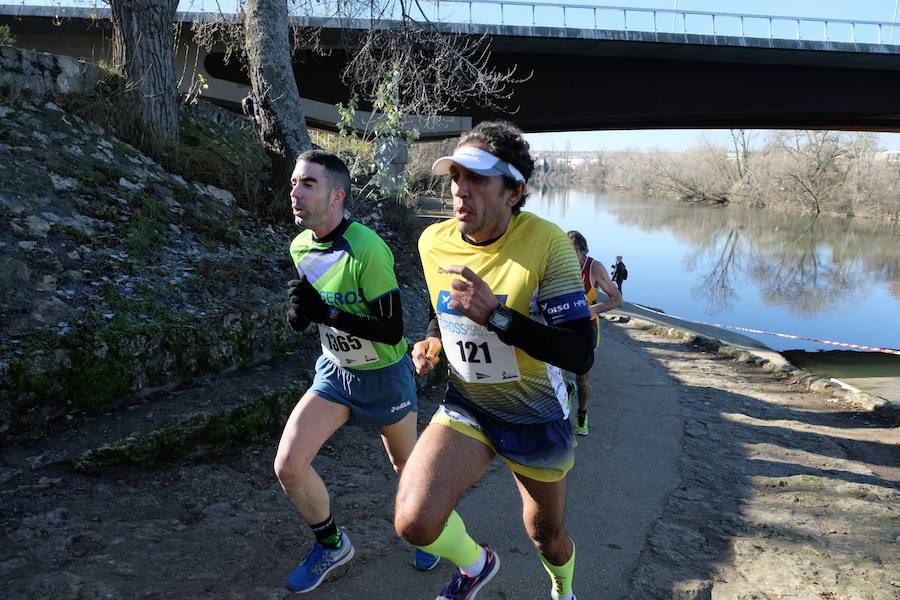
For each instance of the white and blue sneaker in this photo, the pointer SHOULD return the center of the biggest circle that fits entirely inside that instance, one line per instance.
(318, 563)
(424, 561)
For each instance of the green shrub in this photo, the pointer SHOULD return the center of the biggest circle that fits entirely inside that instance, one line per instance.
(227, 157)
(147, 232)
(6, 36)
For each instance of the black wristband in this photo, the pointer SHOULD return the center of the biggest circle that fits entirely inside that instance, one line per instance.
(503, 321)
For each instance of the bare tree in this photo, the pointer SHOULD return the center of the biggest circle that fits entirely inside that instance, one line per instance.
(282, 123)
(144, 53)
(688, 176)
(434, 71)
(821, 172)
(741, 142)
(719, 159)
(437, 71)
(862, 185)
(813, 163)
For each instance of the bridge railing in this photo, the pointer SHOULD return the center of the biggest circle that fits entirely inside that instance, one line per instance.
(658, 20)
(583, 16)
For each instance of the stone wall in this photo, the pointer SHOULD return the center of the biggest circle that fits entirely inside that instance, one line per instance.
(46, 74)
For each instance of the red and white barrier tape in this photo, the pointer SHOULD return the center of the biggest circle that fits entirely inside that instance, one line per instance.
(784, 335)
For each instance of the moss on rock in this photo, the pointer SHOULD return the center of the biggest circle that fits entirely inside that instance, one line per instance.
(198, 433)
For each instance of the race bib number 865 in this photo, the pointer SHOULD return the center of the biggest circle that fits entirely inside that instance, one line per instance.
(345, 349)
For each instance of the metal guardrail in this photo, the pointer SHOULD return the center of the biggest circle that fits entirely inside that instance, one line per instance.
(631, 18)
(772, 21)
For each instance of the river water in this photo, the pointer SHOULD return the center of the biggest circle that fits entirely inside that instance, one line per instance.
(825, 278)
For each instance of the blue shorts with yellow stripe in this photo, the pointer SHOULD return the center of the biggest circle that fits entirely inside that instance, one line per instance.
(540, 451)
(595, 331)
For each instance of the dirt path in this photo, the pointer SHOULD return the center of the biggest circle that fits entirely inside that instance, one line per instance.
(701, 474)
(784, 492)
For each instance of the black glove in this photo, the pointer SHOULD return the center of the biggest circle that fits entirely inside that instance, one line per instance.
(306, 302)
(295, 318)
(298, 322)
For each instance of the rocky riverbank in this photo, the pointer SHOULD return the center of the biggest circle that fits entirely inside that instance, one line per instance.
(143, 348)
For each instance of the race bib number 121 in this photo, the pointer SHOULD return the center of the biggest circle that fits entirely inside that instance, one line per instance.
(475, 353)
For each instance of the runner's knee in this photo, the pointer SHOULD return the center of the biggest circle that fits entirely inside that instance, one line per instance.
(413, 524)
(288, 469)
(417, 531)
(546, 538)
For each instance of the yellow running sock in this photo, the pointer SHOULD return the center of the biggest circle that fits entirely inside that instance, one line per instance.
(561, 575)
(454, 543)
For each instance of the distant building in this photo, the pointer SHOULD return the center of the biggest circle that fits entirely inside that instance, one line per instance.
(541, 164)
(888, 155)
(733, 156)
(571, 159)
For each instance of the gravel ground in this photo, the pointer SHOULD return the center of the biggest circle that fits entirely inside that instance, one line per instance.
(783, 493)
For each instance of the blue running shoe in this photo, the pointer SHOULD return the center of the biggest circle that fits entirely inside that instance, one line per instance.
(463, 587)
(318, 563)
(424, 561)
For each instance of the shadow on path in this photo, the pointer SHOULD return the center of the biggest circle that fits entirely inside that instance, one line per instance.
(753, 468)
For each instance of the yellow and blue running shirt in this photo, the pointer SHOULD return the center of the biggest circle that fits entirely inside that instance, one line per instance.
(353, 269)
(532, 268)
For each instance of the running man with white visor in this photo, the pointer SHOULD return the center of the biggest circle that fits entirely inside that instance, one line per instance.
(508, 311)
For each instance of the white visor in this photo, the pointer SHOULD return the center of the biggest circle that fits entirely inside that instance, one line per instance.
(477, 161)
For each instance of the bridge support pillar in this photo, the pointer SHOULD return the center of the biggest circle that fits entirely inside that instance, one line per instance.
(392, 155)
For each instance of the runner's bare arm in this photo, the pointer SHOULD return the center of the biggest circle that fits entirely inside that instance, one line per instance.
(600, 280)
(426, 353)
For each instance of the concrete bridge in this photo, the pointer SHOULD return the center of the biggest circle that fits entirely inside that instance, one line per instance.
(590, 69)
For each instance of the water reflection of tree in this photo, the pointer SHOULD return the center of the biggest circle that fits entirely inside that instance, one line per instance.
(717, 287)
(805, 264)
(546, 196)
(795, 274)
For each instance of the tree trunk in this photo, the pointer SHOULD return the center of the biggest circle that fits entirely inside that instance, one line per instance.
(144, 53)
(282, 124)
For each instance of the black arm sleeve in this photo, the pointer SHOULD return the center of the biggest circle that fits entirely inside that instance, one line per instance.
(568, 346)
(432, 329)
(384, 325)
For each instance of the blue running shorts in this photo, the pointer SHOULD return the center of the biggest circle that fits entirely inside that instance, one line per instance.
(539, 451)
(377, 397)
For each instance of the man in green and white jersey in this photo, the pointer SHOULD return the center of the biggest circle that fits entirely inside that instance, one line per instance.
(348, 288)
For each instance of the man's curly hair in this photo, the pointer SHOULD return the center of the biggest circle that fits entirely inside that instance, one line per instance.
(504, 140)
